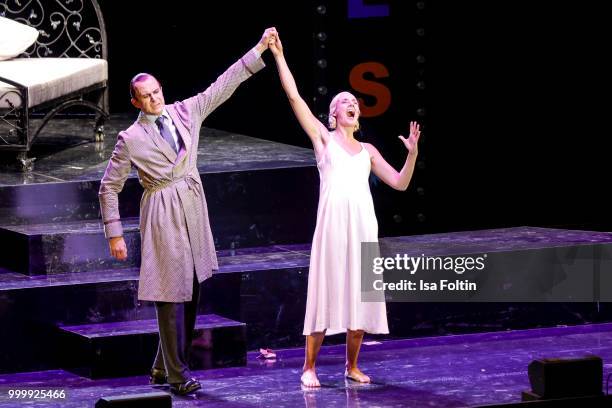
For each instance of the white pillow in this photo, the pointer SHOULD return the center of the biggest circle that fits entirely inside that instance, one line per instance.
(15, 38)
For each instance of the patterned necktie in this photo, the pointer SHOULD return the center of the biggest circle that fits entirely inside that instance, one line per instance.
(165, 132)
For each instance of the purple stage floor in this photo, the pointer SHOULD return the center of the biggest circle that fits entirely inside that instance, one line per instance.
(446, 371)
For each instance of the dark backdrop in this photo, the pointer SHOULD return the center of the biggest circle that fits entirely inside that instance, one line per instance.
(510, 94)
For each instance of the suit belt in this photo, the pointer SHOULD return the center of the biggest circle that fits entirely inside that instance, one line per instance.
(189, 179)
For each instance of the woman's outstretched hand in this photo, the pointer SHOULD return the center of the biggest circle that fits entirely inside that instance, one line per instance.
(412, 142)
(275, 45)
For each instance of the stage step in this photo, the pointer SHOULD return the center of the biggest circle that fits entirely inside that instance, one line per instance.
(61, 247)
(253, 283)
(258, 204)
(128, 348)
(112, 295)
(80, 246)
(258, 193)
(238, 173)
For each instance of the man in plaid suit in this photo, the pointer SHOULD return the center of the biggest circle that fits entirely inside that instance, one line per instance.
(178, 251)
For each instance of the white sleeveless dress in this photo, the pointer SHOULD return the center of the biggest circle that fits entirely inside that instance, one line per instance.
(345, 218)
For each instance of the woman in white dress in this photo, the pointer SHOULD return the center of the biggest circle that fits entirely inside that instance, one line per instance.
(345, 219)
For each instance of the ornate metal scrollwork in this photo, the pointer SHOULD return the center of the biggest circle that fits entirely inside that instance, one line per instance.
(68, 28)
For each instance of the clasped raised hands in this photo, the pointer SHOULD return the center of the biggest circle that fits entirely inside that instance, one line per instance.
(268, 36)
(275, 45)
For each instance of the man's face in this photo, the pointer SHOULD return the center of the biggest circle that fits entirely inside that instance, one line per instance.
(149, 97)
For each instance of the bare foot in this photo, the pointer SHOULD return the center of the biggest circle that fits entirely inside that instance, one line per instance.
(309, 378)
(355, 374)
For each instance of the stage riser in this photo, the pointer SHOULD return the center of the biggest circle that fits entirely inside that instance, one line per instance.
(78, 304)
(266, 289)
(248, 193)
(33, 313)
(30, 316)
(59, 202)
(48, 254)
(125, 355)
(118, 300)
(272, 305)
(270, 302)
(247, 209)
(112, 301)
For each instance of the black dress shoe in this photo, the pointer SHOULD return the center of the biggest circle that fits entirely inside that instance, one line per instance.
(185, 388)
(158, 377)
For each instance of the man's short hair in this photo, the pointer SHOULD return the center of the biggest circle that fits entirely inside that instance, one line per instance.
(139, 78)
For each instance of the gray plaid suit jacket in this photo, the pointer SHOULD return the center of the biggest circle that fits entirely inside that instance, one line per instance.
(174, 227)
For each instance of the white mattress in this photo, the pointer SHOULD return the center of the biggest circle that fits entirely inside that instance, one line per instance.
(49, 78)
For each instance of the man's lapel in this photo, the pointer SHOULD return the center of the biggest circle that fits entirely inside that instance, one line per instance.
(151, 129)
